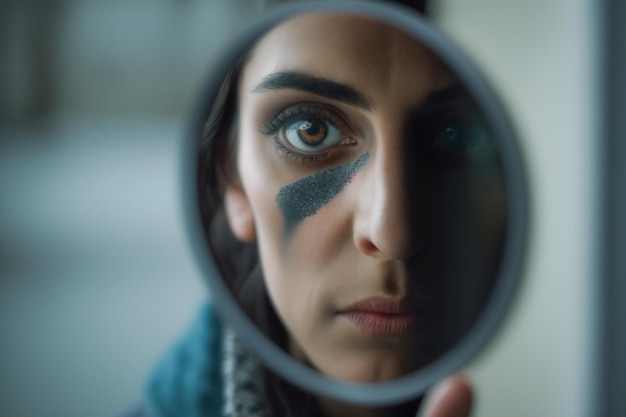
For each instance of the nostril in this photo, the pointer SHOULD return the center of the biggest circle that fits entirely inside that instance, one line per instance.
(368, 247)
(396, 248)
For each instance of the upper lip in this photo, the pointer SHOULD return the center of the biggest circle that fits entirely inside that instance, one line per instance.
(382, 305)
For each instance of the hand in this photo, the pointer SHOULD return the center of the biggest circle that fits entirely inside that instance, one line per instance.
(450, 398)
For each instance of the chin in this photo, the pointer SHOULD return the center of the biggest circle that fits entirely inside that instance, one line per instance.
(363, 369)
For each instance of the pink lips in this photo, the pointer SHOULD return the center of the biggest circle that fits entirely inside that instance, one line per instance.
(383, 317)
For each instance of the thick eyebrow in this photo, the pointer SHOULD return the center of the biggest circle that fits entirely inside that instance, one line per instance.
(319, 86)
(444, 95)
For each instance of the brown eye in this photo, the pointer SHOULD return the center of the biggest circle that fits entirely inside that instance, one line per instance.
(312, 134)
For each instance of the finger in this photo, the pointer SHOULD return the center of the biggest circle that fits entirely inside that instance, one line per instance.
(450, 398)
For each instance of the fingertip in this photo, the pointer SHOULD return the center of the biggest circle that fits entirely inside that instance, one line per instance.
(452, 397)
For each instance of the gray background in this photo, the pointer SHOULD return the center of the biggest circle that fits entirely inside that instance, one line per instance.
(96, 276)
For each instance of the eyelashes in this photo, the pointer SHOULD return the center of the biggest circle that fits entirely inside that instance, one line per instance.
(449, 136)
(307, 133)
(459, 136)
(441, 136)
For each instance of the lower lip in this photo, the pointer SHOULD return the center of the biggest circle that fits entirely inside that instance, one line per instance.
(383, 325)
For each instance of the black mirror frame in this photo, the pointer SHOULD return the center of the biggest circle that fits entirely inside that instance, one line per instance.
(491, 318)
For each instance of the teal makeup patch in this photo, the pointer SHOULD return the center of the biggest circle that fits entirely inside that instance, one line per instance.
(305, 197)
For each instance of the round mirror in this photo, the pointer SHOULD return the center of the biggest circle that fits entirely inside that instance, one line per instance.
(356, 199)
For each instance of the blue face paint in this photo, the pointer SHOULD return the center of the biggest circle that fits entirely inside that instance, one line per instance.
(305, 197)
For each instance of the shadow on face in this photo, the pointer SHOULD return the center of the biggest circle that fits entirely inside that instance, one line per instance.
(358, 207)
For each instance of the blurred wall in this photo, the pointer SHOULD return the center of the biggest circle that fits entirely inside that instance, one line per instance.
(96, 277)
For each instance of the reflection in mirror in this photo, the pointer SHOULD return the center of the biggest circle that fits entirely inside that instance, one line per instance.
(353, 196)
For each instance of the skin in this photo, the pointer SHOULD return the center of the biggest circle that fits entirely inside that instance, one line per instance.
(368, 237)
(450, 398)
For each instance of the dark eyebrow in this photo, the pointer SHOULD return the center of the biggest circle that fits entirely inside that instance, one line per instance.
(450, 93)
(319, 86)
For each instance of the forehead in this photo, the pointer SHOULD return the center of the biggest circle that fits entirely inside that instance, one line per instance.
(369, 55)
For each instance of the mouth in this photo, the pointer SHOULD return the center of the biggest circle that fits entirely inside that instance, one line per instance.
(383, 317)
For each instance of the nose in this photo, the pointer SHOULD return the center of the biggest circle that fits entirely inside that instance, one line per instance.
(386, 222)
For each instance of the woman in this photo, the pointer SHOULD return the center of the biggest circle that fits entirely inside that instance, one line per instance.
(310, 206)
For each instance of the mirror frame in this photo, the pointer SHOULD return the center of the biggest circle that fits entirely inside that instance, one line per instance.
(506, 283)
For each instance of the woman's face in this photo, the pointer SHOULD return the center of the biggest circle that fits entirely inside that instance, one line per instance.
(348, 148)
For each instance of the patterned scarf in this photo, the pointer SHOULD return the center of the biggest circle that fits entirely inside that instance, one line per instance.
(243, 379)
(208, 373)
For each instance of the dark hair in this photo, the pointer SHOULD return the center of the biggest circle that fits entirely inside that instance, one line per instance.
(239, 261)
(417, 5)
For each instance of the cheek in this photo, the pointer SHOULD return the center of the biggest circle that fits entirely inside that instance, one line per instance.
(268, 225)
(260, 180)
(305, 197)
(297, 263)
(490, 206)
(306, 278)
(282, 290)
(299, 270)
